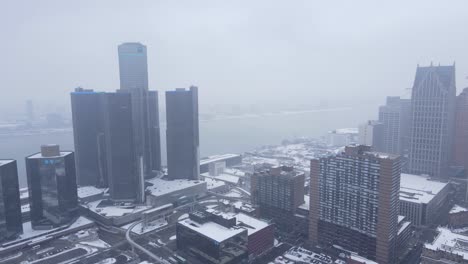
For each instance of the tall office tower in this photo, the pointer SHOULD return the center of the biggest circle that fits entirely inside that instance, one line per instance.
(278, 192)
(52, 187)
(395, 116)
(371, 133)
(460, 148)
(183, 161)
(355, 195)
(133, 68)
(88, 132)
(433, 113)
(125, 180)
(11, 224)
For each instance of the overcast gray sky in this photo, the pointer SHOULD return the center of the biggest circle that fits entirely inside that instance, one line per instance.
(344, 52)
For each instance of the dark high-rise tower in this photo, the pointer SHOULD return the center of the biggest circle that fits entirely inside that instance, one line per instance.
(133, 69)
(11, 224)
(354, 199)
(88, 132)
(183, 160)
(124, 177)
(52, 187)
(432, 124)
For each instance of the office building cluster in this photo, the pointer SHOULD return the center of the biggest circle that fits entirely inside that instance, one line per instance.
(117, 135)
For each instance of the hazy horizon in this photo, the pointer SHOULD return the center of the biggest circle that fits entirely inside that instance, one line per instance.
(237, 53)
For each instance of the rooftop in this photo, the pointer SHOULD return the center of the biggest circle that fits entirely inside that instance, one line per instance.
(225, 177)
(3, 162)
(39, 155)
(162, 187)
(457, 209)
(450, 242)
(418, 188)
(212, 230)
(213, 184)
(87, 191)
(345, 131)
(114, 210)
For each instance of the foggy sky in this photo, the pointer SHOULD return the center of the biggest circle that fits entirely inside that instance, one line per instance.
(237, 52)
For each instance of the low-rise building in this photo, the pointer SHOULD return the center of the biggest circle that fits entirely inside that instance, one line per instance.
(447, 248)
(160, 192)
(228, 159)
(458, 216)
(421, 198)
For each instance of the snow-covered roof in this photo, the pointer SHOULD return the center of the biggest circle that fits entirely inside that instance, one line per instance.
(223, 177)
(450, 242)
(162, 187)
(457, 209)
(216, 158)
(87, 191)
(39, 155)
(352, 130)
(115, 210)
(213, 184)
(418, 188)
(361, 259)
(250, 223)
(302, 255)
(213, 230)
(3, 162)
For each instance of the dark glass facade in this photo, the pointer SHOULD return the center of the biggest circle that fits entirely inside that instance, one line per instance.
(88, 132)
(182, 134)
(121, 158)
(52, 189)
(10, 206)
(154, 130)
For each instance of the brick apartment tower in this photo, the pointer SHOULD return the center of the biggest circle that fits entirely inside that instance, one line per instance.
(354, 202)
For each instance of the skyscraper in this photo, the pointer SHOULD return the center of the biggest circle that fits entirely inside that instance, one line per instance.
(371, 134)
(354, 196)
(88, 132)
(433, 113)
(395, 116)
(182, 133)
(460, 150)
(133, 68)
(124, 177)
(11, 224)
(52, 187)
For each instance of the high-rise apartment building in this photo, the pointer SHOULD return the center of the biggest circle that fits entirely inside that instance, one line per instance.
(371, 133)
(88, 132)
(278, 192)
(133, 68)
(395, 116)
(11, 224)
(354, 196)
(183, 161)
(432, 124)
(52, 187)
(460, 146)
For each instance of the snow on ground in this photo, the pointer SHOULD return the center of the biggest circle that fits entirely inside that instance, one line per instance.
(151, 226)
(172, 237)
(96, 243)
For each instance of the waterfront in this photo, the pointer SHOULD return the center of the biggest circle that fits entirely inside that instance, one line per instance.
(220, 135)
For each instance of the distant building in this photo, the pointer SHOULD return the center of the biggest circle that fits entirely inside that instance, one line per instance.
(52, 187)
(88, 132)
(421, 199)
(433, 114)
(447, 247)
(343, 137)
(371, 134)
(133, 69)
(218, 237)
(278, 192)
(354, 202)
(229, 159)
(460, 146)
(395, 116)
(183, 161)
(11, 224)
